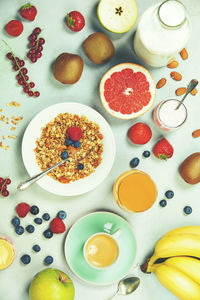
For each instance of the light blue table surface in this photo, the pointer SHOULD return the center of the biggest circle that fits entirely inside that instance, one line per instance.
(148, 226)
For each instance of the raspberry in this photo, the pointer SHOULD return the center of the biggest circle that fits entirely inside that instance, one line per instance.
(57, 226)
(75, 133)
(23, 209)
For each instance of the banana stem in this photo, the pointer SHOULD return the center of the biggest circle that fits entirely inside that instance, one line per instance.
(151, 262)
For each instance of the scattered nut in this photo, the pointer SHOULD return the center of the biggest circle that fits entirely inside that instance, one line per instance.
(181, 91)
(194, 92)
(176, 76)
(196, 133)
(174, 64)
(161, 83)
(184, 54)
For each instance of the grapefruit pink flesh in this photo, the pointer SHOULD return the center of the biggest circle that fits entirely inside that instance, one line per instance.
(127, 91)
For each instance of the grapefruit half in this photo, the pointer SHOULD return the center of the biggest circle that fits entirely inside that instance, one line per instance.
(127, 91)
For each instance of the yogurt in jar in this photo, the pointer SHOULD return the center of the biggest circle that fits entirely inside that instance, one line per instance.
(162, 32)
(167, 117)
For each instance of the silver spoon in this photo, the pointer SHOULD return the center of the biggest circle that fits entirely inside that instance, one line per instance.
(193, 83)
(27, 183)
(127, 286)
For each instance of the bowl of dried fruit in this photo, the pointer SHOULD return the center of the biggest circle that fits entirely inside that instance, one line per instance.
(73, 131)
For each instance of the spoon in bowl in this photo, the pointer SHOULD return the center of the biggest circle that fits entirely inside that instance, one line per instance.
(193, 83)
(127, 286)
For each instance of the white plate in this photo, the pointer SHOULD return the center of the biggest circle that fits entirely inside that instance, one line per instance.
(33, 132)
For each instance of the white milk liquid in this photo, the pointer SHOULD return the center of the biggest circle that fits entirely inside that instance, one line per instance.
(169, 116)
(155, 43)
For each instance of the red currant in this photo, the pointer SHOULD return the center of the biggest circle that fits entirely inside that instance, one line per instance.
(32, 44)
(41, 41)
(32, 51)
(15, 67)
(29, 55)
(32, 84)
(8, 181)
(33, 59)
(5, 193)
(26, 77)
(30, 93)
(24, 71)
(20, 81)
(37, 30)
(1, 181)
(39, 48)
(37, 94)
(19, 76)
(38, 55)
(9, 55)
(4, 187)
(26, 89)
(33, 37)
(21, 63)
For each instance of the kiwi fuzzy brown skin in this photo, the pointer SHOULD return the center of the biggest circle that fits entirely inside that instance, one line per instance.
(68, 68)
(190, 168)
(98, 48)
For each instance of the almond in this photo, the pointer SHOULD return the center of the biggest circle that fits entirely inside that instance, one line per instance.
(161, 83)
(184, 54)
(176, 76)
(174, 64)
(196, 133)
(194, 92)
(181, 91)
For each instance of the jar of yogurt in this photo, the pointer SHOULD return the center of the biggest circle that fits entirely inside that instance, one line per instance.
(167, 117)
(162, 32)
(7, 252)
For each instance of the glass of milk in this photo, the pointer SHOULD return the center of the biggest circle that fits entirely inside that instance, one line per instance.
(167, 117)
(162, 32)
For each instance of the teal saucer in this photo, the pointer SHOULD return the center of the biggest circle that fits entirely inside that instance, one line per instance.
(89, 225)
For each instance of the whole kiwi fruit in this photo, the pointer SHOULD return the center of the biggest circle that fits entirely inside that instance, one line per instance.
(190, 168)
(98, 48)
(68, 68)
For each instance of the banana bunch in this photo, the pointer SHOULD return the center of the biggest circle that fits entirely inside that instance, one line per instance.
(179, 269)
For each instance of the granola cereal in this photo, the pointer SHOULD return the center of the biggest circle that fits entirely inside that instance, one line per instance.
(51, 144)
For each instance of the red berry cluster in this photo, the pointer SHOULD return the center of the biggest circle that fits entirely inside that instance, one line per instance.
(22, 76)
(35, 44)
(3, 186)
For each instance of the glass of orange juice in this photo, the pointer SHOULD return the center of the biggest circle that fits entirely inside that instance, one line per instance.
(134, 191)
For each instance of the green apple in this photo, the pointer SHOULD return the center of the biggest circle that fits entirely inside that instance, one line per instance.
(117, 15)
(51, 284)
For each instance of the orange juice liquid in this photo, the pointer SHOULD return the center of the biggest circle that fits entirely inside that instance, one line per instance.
(135, 191)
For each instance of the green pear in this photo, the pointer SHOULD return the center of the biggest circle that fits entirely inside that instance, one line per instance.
(51, 284)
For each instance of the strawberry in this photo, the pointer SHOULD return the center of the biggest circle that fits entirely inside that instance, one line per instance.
(14, 28)
(57, 226)
(140, 133)
(75, 21)
(23, 209)
(75, 133)
(163, 149)
(28, 12)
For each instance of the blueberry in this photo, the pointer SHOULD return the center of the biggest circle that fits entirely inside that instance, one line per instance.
(36, 248)
(163, 203)
(62, 215)
(26, 259)
(187, 210)
(48, 260)
(38, 221)
(64, 155)
(48, 234)
(34, 210)
(80, 166)
(30, 228)
(169, 194)
(146, 153)
(19, 230)
(46, 217)
(15, 221)
(68, 142)
(77, 144)
(134, 162)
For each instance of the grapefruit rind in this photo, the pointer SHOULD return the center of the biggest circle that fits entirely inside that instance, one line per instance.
(135, 68)
(112, 22)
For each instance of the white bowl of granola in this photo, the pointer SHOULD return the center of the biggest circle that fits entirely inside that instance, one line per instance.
(45, 139)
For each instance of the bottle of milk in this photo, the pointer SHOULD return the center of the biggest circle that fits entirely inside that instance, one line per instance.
(162, 32)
